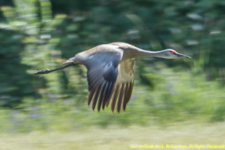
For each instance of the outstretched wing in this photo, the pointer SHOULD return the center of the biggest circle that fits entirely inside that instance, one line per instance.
(102, 64)
(124, 85)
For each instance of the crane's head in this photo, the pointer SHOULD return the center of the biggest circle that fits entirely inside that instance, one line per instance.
(172, 54)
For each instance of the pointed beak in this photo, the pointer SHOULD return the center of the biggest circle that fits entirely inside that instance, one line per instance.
(181, 55)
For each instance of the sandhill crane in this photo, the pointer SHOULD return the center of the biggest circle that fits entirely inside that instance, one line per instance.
(110, 72)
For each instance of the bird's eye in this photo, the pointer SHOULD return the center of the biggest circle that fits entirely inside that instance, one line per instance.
(173, 52)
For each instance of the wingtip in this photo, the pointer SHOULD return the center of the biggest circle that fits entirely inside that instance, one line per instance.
(107, 105)
(112, 110)
(93, 108)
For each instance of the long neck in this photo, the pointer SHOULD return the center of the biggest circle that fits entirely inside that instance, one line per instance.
(134, 52)
(145, 53)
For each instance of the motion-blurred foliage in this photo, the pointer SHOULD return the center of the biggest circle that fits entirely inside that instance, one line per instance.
(39, 34)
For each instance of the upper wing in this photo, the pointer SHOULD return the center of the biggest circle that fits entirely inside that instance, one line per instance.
(124, 85)
(102, 64)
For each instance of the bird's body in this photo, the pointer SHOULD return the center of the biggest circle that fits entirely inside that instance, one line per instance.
(111, 72)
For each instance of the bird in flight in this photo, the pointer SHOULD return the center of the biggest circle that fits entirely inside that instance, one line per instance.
(110, 72)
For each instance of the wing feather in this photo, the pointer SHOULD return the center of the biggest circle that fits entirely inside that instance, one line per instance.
(102, 95)
(125, 95)
(124, 85)
(115, 96)
(96, 97)
(102, 65)
(129, 92)
(109, 77)
(120, 99)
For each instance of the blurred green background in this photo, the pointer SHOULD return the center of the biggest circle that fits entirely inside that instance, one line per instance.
(41, 34)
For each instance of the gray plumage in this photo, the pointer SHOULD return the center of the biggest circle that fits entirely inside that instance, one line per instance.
(110, 72)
